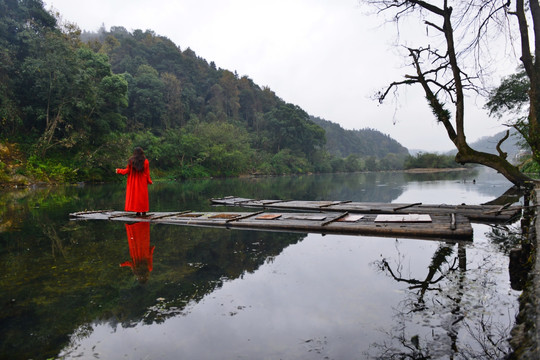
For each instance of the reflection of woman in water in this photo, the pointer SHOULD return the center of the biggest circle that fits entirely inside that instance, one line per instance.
(138, 172)
(141, 252)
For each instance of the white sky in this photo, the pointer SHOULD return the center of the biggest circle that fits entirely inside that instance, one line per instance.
(327, 56)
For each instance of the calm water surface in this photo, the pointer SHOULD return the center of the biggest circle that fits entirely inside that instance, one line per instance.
(232, 294)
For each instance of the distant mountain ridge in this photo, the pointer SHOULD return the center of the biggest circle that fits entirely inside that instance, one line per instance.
(365, 142)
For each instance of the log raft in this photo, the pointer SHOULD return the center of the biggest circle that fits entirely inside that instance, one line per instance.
(489, 214)
(442, 227)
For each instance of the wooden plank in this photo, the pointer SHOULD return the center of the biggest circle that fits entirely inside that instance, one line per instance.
(171, 214)
(492, 214)
(226, 216)
(440, 228)
(336, 203)
(191, 215)
(268, 217)
(351, 218)
(403, 207)
(335, 218)
(402, 218)
(89, 212)
(244, 216)
(122, 214)
(230, 200)
(309, 217)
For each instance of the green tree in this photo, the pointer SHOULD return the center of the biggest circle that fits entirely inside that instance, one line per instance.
(429, 160)
(71, 96)
(288, 126)
(217, 103)
(99, 96)
(248, 101)
(352, 163)
(511, 97)
(147, 104)
(226, 150)
(46, 88)
(371, 164)
(174, 109)
(231, 93)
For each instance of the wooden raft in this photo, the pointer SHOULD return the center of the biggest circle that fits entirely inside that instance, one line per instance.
(422, 226)
(491, 214)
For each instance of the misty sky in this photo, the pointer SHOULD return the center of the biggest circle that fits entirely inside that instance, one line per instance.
(327, 56)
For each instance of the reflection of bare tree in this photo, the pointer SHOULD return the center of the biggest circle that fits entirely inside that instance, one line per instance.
(434, 276)
(490, 336)
(446, 314)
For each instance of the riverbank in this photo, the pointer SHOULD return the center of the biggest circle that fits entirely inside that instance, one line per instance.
(14, 174)
(22, 165)
(433, 170)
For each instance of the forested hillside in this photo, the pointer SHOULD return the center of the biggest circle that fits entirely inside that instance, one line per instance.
(74, 105)
(365, 143)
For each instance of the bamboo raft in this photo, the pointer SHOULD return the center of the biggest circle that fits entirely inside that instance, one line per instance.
(491, 214)
(420, 226)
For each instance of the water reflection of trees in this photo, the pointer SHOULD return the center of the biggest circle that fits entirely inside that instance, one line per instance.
(61, 276)
(513, 241)
(442, 175)
(381, 187)
(65, 276)
(56, 202)
(443, 309)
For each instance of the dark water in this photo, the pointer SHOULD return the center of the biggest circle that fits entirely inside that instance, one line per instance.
(232, 294)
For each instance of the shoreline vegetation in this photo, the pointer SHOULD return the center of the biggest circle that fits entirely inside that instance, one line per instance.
(433, 170)
(20, 166)
(17, 170)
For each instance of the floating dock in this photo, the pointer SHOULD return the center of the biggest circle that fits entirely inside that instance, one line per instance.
(490, 214)
(419, 226)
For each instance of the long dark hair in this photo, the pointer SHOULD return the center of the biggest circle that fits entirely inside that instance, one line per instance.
(137, 159)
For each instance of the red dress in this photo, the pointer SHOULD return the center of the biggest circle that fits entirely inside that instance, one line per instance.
(137, 187)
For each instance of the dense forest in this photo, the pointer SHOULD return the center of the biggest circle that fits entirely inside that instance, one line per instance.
(74, 104)
(375, 150)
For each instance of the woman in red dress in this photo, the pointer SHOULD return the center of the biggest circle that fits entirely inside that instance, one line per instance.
(138, 172)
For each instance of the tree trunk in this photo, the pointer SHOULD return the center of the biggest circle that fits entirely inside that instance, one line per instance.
(467, 155)
(532, 68)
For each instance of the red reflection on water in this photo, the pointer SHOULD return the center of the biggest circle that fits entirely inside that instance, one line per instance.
(138, 235)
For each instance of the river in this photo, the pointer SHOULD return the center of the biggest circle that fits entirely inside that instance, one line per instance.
(68, 291)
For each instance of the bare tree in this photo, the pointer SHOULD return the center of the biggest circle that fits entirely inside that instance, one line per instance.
(439, 69)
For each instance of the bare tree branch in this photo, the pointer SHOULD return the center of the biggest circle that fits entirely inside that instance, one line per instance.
(498, 147)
